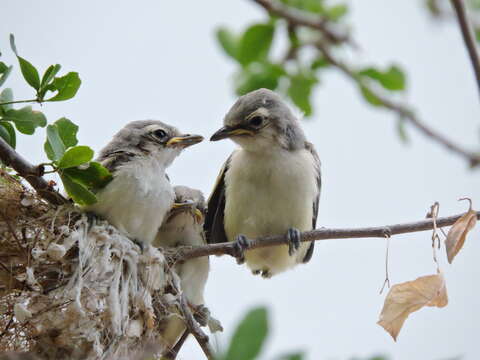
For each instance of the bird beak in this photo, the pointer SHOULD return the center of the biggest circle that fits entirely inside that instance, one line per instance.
(178, 208)
(184, 141)
(227, 131)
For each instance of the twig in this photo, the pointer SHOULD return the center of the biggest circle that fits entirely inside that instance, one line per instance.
(229, 248)
(193, 327)
(404, 112)
(387, 277)
(31, 173)
(461, 14)
(19, 102)
(302, 18)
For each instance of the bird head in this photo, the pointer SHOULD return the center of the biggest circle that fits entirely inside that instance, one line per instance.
(261, 121)
(150, 138)
(190, 202)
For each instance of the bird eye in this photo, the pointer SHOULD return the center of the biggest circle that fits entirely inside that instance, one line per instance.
(160, 133)
(256, 121)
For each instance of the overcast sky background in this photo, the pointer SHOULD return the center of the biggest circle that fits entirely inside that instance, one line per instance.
(159, 59)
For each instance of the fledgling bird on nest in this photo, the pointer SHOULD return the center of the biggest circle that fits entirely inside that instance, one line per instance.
(269, 186)
(140, 194)
(183, 226)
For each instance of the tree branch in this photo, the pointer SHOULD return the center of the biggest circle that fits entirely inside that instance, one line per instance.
(302, 18)
(31, 173)
(229, 248)
(461, 14)
(402, 110)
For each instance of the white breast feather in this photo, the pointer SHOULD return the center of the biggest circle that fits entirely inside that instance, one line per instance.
(137, 199)
(266, 195)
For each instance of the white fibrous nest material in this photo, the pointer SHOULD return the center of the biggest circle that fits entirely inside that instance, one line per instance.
(73, 288)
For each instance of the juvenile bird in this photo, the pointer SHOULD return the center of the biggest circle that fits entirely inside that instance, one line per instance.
(140, 194)
(184, 226)
(270, 185)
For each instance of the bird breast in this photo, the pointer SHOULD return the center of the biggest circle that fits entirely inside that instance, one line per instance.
(137, 199)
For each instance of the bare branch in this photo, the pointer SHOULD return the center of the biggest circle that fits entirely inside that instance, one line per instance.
(302, 18)
(402, 110)
(31, 173)
(461, 14)
(185, 253)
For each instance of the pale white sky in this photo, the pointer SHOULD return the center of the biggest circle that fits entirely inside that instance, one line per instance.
(154, 59)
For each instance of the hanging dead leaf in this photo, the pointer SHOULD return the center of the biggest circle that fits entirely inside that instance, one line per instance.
(408, 297)
(458, 233)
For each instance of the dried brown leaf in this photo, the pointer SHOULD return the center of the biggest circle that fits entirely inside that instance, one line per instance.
(408, 297)
(458, 233)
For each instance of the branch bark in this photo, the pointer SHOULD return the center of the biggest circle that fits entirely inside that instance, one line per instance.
(461, 14)
(229, 248)
(301, 18)
(31, 173)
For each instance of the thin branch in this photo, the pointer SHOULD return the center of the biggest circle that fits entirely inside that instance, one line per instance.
(302, 18)
(193, 327)
(461, 14)
(31, 173)
(229, 248)
(402, 110)
(19, 102)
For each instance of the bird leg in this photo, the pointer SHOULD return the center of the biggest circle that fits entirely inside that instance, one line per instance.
(266, 274)
(91, 220)
(201, 314)
(241, 244)
(293, 238)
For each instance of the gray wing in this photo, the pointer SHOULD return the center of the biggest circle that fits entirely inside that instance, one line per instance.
(309, 147)
(214, 225)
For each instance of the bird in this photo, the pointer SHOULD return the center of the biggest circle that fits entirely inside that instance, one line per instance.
(270, 185)
(184, 226)
(139, 195)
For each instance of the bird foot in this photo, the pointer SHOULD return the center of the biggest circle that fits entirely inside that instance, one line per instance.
(256, 272)
(241, 244)
(91, 220)
(293, 238)
(266, 274)
(201, 314)
(139, 243)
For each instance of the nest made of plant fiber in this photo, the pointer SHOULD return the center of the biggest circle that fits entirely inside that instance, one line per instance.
(73, 288)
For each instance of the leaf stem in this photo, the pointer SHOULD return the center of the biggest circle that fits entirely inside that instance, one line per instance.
(20, 102)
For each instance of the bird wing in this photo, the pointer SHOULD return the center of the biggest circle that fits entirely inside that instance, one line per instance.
(310, 147)
(113, 159)
(214, 226)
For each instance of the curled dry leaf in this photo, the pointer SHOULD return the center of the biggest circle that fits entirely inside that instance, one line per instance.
(458, 233)
(408, 297)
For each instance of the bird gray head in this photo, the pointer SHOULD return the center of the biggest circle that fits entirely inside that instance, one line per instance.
(148, 138)
(261, 120)
(188, 201)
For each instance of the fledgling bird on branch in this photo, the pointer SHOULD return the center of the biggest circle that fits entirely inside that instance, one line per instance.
(271, 185)
(184, 226)
(140, 194)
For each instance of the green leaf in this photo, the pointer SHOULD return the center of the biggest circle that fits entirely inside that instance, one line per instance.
(228, 41)
(47, 78)
(56, 147)
(25, 119)
(369, 96)
(248, 339)
(67, 131)
(319, 63)
(258, 75)
(391, 79)
(300, 90)
(336, 12)
(5, 73)
(29, 72)
(6, 96)
(79, 193)
(255, 43)
(67, 86)
(94, 177)
(7, 132)
(75, 156)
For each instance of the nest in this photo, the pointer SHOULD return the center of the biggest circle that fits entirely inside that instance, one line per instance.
(75, 288)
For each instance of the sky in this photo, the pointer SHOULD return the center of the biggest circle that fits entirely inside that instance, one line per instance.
(159, 60)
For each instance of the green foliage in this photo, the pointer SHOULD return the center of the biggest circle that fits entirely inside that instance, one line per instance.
(391, 79)
(300, 90)
(228, 41)
(248, 339)
(258, 75)
(81, 177)
(255, 43)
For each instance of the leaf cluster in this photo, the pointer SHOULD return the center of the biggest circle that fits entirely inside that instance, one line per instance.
(80, 175)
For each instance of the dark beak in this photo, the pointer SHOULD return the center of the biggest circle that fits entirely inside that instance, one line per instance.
(227, 132)
(184, 141)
